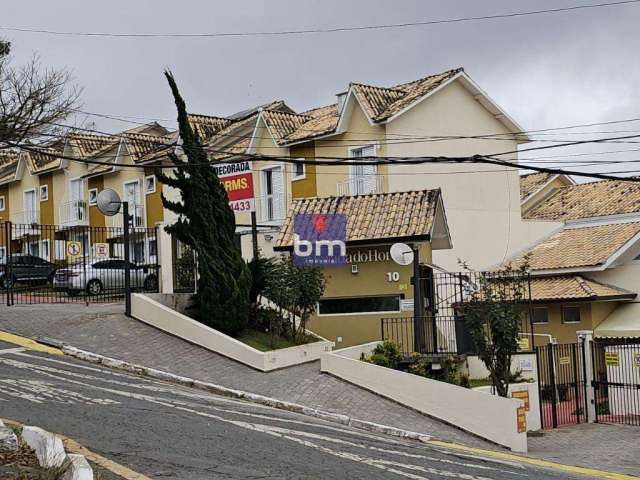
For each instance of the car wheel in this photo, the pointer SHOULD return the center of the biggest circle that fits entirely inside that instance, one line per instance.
(94, 287)
(6, 283)
(151, 283)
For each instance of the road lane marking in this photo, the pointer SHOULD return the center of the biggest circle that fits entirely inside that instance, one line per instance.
(267, 429)
(535, 461)
(72, 446)
(28, 343)
(12, 350)
(446, 445)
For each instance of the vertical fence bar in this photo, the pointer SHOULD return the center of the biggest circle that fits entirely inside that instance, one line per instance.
(554, 392)
(574, 359)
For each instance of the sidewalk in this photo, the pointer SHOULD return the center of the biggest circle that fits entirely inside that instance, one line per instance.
(105, 330)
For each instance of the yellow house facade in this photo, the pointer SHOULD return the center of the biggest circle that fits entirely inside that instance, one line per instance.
(586, 273)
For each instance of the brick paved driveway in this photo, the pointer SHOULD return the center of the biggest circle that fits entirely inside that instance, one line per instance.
(104, 329)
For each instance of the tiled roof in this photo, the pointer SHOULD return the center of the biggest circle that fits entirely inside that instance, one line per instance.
(578, 247)
(88, 144)
(207, 126)
(573, 287)
(371, 217)
(8, 165)
(143, 147)
(532, 182)
(322, 120)
(44, 158)
(586, 200)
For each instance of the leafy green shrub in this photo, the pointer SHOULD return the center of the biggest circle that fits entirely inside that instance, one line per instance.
(386, 354)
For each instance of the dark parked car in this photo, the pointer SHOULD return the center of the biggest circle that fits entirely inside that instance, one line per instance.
(23, 268)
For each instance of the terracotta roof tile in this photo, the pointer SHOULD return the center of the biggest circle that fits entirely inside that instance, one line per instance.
(88, 144)
(573, 287)
(8, 165)
(596, 199)
(532, 182)
(578, 247)
(371, 217)
(207, 126)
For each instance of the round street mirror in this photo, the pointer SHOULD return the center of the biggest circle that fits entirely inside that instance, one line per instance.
(108, 202)
(401, 253)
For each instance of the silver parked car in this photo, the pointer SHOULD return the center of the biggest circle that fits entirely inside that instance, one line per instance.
(103, 275)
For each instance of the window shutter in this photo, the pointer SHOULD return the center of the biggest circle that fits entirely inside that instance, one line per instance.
(278, 193)
(364, 176)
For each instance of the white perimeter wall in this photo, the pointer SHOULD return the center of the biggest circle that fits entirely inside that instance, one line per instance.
(164, 318)
(488, 416)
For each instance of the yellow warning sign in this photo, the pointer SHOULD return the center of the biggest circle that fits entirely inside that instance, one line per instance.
(523, 343)
(636, 360)
(565, 361)
(611, 359)
(522, 395)
(74, 250)
(521, 418)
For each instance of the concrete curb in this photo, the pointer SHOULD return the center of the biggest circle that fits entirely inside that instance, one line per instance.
(250, 397)
(50, 452)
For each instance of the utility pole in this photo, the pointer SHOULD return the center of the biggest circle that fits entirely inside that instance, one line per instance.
(254, 235)
(127, 269)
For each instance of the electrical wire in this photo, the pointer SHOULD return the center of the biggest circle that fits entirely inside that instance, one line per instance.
(268, 33)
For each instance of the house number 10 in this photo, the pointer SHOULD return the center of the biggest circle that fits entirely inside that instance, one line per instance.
(393, 276)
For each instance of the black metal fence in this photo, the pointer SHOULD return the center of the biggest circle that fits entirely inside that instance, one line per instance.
(616, 373)
(58, 264)
(184, 267)
(441, 329)
(562, 386)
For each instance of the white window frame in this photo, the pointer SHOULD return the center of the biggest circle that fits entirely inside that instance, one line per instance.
(3, 203)
(548, 315)
(303, 175)
(153, 178)
(24, 203)
(562, 320)
(46, 242)
(352, 167)
(263, 193)
(44, 193)
(124, 190)
(95, 200)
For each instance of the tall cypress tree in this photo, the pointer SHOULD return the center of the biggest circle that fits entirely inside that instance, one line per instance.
(207, 223)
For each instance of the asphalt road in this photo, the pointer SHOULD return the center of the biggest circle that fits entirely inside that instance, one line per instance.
(165, 431)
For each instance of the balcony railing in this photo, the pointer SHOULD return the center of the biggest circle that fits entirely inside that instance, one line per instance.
(361, 185)
(74, 213)
(137, 214)
(26, 217)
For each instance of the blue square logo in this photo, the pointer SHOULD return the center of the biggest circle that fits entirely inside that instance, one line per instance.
(319, 240)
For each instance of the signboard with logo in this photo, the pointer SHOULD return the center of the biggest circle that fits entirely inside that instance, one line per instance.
(319, 240)
(74, 250)
(237, 179)
(636, 360)
(101, 250)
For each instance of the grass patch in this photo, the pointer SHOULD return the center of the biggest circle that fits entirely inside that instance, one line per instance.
(265, 342)
(479, 382)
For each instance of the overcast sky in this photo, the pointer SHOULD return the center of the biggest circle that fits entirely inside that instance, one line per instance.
(545, 70)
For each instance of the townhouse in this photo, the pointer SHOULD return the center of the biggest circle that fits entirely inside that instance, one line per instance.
(445, 114)
(586, 272)
(51, 199)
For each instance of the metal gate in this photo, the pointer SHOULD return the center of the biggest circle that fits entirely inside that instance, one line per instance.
(616, 380)
(441, 329)
(61, 264)
(562, 386)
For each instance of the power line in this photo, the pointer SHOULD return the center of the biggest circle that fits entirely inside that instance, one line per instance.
(270, 33)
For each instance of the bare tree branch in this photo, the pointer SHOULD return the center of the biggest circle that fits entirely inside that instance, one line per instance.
(33, 100)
